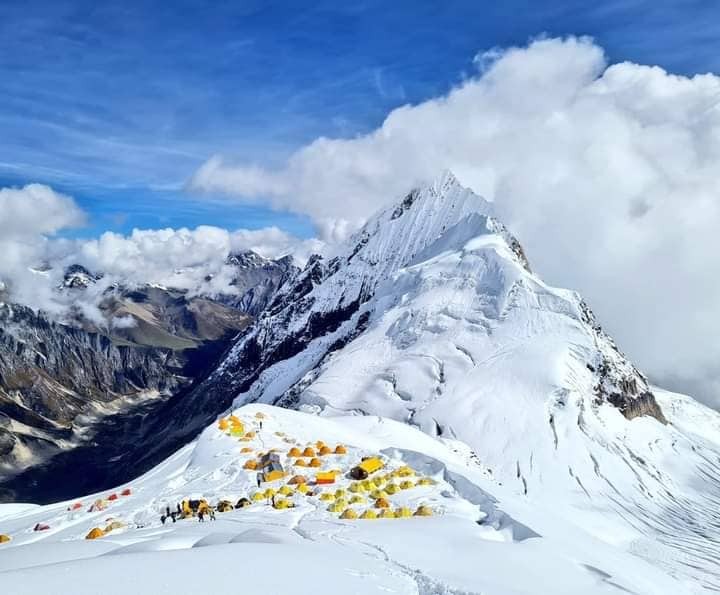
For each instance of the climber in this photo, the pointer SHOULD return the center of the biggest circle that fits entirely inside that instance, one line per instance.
(212, 514)
(163, 518)
(201, 516)
(167, 511)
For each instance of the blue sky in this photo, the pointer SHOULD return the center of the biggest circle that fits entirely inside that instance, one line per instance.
(118, 105)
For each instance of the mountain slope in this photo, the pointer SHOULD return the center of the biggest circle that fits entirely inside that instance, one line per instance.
(470, 544)
(431, 316)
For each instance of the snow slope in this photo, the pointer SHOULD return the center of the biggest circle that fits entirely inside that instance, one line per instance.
(470, 545)
(431, 316)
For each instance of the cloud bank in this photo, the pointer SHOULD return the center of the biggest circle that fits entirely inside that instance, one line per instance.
(608, 174)
(34, 260)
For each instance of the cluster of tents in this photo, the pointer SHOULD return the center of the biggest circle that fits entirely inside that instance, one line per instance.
(96, 506)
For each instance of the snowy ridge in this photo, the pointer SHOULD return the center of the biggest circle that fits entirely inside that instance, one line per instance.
(431, 316)
(471, 544)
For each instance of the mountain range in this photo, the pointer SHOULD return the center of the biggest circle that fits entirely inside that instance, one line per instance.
(429, 316)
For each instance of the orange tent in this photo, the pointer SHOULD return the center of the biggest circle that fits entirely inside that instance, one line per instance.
(297, 479)
(325, 450)
(4, 538)
(308, 452)
(340, 450)
(294, 452)
(95, 533)
(315, 463)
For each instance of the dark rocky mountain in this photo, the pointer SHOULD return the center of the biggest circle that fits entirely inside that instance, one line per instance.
(63, 384)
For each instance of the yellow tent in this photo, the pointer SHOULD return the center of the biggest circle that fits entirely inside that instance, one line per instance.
(349, 513)
(406, 485)
(4, 538)
(423, 511)
(246, 449)
(387, 514)
(426, 481)
(382, 503)
(303, 488)
(281, 504)
(403, 512)
(319, 444)
(285, 490)
(391, 489)
(371, 464)
(405, 471)
(95, 533)
(369, 514)
(258, 496)
(357, 500)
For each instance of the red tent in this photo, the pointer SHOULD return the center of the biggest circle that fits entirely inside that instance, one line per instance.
(126, 492)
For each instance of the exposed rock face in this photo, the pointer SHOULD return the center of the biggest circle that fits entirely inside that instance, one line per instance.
(51, 373)
(257, 280)
(60, 383)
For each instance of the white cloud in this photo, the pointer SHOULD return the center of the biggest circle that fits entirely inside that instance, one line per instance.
(33, 262)
(608, 175)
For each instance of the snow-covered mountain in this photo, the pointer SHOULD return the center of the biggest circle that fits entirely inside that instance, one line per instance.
(431, 317)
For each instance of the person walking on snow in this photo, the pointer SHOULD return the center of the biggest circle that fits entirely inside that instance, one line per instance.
(201, 516)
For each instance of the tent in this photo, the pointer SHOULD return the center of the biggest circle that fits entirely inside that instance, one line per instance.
(76, 506)
(114, 525)
(357, 500)
(297, 479)
(126, 492)
(324, 478)
(223, 425)
(405, 471)
(340, 450)
(349, 513)
(98, 505)
(300, 463)
(246, 449)
(382, 503)
(95, 533)
(273, 472)
(303, 488)
(224, 506)
(258, 496)
(426, 481)
(308, 452)
(285, 490)
(260, 415)
(294, 452)
(403, 512)
(406, 485)
(319, 444)
(387, 514)
(369, 514)
(113, 497)
(325, 450)
(315, 462)
(243, 503)
(250, 464)
(268, 459)
(41, 527)
(4, 538)
(423, 511)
